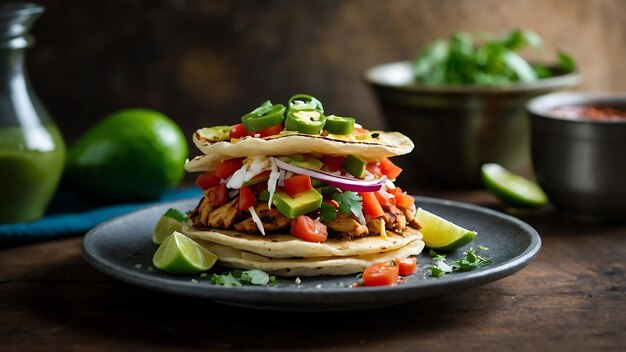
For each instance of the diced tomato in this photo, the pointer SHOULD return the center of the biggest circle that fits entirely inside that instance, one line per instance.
(381, 274)
(385, 199)
(297, 184)
(403, 200)
(270, 131)
(406, 266)
(333, 162)
(207, 180)
(228, 167)
(374, 169)
(246, 198)
(238, 131)
(371, 206)
(218, 195)
(308, 229)
(332, 202)
(389, 168)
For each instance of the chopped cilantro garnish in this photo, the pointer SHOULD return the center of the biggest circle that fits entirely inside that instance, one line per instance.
(483, 248)
(203, 275)
(226, 279)
(328, 213)
(175, 214)
(470, 262)
(255, 277)
(194, 281)
(349, 203)
(359, 275)
(238, 277)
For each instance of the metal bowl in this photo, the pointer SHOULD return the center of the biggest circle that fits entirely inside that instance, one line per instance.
(457, 128)
(581, 164)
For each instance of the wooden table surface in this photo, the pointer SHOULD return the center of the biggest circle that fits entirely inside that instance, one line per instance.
(570, 298)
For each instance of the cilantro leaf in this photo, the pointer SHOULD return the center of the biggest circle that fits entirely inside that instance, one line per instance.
(470, 262)
(238, 277)
(349, 203)
(483, 248)
(461, 59)
(175, 214)
(255, 277)
(328, 213)
(225, 280)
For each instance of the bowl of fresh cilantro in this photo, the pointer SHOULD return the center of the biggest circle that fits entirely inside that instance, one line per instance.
(462, 102)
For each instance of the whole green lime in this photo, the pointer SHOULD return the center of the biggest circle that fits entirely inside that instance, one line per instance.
(132, 154)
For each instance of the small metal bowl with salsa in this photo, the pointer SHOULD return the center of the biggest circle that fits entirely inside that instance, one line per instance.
(578, 143)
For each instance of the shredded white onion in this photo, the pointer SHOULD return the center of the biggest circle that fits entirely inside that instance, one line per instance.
(233, 193)
(252, 166)
(281, 179)
(390, 184)
(342, 182)
(273, 180)
(256, 220)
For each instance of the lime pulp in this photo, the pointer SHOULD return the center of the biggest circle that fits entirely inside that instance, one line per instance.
(440, 233)
(165, 227)
(179, 254)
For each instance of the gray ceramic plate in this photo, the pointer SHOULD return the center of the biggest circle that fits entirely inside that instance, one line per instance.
(123, 249)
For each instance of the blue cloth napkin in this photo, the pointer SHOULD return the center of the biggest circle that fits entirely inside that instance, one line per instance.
(69, 215)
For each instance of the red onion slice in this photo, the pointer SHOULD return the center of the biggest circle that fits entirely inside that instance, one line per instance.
(342, 182)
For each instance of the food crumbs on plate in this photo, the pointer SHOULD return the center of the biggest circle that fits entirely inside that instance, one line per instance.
(318, 286)
(150, 269)
(194, 281)
(341, 284)
(137, 266)
(203, 275)
(298, 281)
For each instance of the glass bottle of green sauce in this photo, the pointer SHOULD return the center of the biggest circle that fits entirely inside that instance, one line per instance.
(32, 151)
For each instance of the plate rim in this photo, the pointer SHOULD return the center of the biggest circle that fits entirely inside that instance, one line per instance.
(282, 295)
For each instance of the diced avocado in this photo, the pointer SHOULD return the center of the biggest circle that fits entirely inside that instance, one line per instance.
(303, 203)
(215, 134)
(306, 162)
(354, 166)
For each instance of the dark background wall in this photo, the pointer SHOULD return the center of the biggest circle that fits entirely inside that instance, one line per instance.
(208, 62)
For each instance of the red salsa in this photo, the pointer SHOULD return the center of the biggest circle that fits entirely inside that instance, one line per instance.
(589, 112)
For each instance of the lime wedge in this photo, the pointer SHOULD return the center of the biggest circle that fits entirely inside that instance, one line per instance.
(440, 233)
(179, 254)
(511, 188)
(165, 227)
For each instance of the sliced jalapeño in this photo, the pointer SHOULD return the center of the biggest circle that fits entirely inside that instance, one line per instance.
(305, 121)
(305, 102)
(339, 125)
(265, 116)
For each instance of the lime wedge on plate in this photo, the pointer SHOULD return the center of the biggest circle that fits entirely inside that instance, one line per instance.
(440, 233)
(179, 254)
(165, 227)
(511, 188)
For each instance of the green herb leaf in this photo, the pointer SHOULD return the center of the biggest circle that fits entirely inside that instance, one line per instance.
(495, 62)
(470, 262)
(328, 213)
(483, 248)
(349, 203)
(255, 277)
(238, 277)
(566, 62)
(175, 214)
(225, 280)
